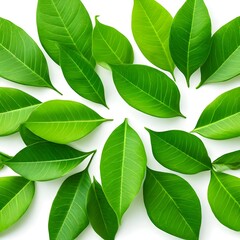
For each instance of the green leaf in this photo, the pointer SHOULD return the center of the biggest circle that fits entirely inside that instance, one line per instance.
(21, 60)
(224, 199)
(28, 137)
(15, 108)
(172, 205)
(66, 23)
(3, 157)
(228, 161)
(180, 151)
(151, 24)
(68, 216)
(101, 216)
(147, 90)
(190, 37)
(123, 166)
(110, 46)
(16, 194)
(63, 121)
(46, 161)
(81, 76)
(221, 118)
(224, 58)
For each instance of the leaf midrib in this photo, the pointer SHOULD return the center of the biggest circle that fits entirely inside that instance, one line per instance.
(64, 122)
(20, 109)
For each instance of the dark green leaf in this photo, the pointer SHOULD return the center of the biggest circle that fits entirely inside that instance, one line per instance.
(3, 158)
(28, 137)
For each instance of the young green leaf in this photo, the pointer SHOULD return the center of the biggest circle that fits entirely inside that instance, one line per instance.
(172, 205)
(67, 23)
(224, 58)
(180, 151)
(16, 194)
(228, 161)
(190, 37)
(15, 108)
(151, 24)
(101, 216)
(147, 90)
(68, 216)
(224, 199)
(21, 60)
(110, 46)
(81, 76)
(28, 137)
(63, 121)
(3, 157)
(46, 161)
(221, 118)
(123, 166)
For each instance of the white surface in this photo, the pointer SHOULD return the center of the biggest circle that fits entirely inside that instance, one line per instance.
(135, 224)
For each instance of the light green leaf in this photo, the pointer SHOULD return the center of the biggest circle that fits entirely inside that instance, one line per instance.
(81, 76)
(63, 121)
(122, 167)
(21, 60)
(28, 137)
(180, 151)
(15, 108)
(110, 46)
(221, 118)
(224, 58)
(228, 161)
(46, 161)
(224, 199)
(16, 194)
(190, 37)
(67, 23)
(172, 205)
(68, 216)
(3, 158)
(101, 216)
(147, 90)
(151, 24)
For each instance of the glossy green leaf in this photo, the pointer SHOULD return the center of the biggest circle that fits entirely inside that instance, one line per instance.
(21, 60)
(172, 205)
(228, 161)
(110, 46)
(67, 23)
(221, 118)
(28, 137)
(15, 108)
(16, 194)
(190, 37)
(224, 58)
(147, 90)
(63, 121)
(101, 216)
(224, 199)
(151, 24)
(81, 76)
(180, 151)
(46, 161)
(68, 216)
(3, 158)
(122, 167)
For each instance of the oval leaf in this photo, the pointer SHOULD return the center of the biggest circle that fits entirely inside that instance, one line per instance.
(21, 60)
(62, 121)
(123, 166)
(151, 24)
(101, 216)
(67, 23)
(68, 216)
(15, 108)
(180, 151)
(16, 194)
(46, 161)
(224, 199)
(28, 137)
(110, 46)
(172, 205)
(221, 118)
(190, 37)
(224, 58)
(147, 90)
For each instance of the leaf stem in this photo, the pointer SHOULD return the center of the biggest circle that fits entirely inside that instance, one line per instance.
(90, 161)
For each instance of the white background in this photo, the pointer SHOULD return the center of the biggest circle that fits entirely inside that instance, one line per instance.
(135, 224)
